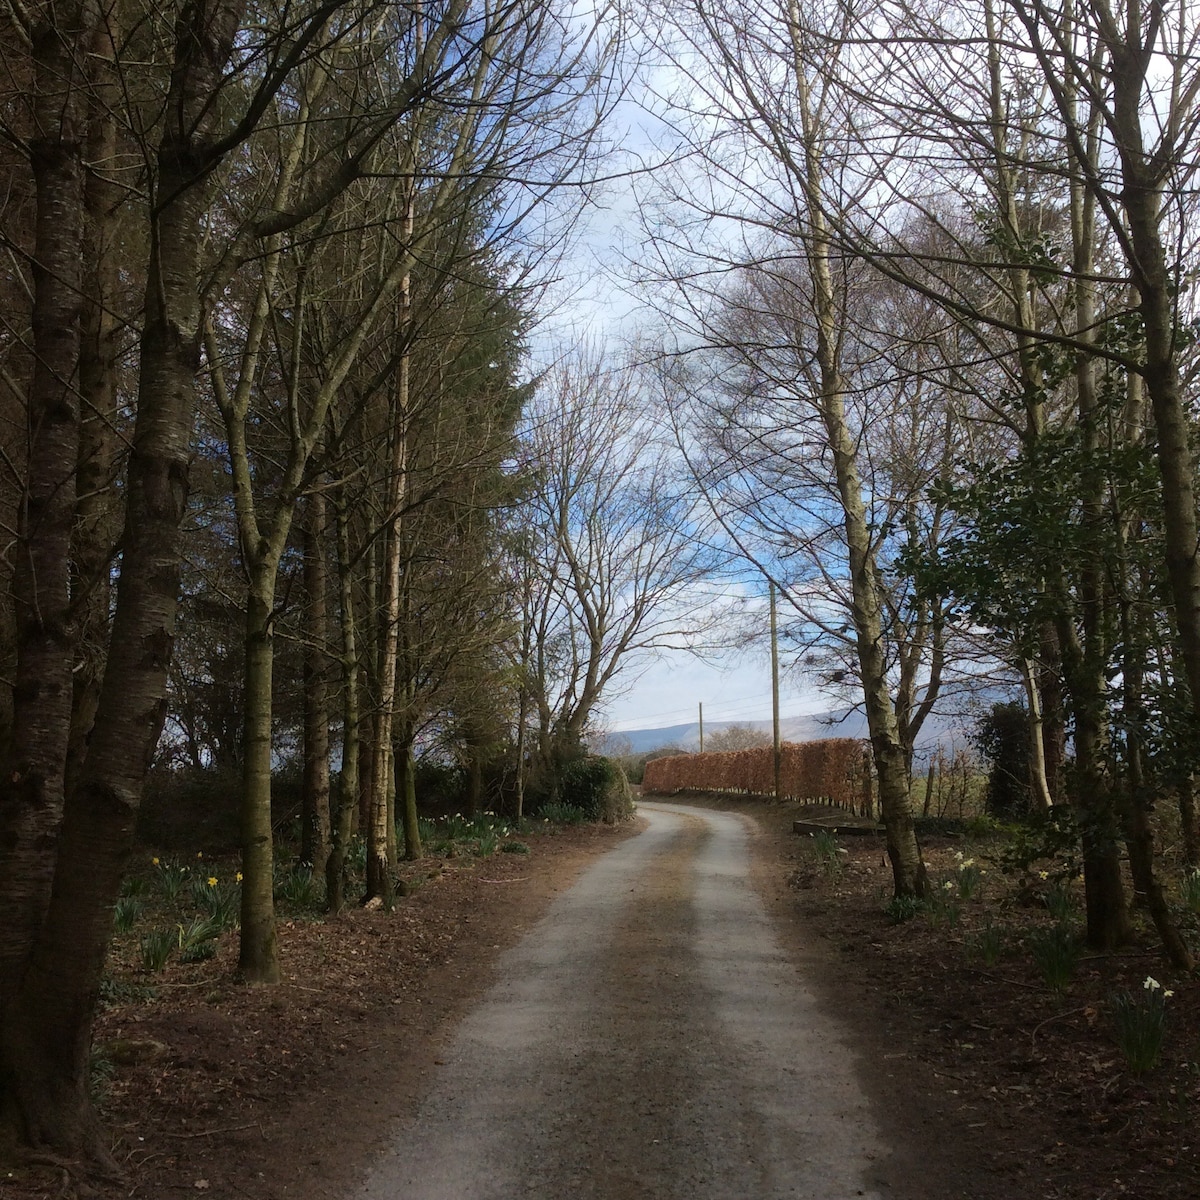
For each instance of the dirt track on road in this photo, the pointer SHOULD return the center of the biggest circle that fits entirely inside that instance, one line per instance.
(649, 1038)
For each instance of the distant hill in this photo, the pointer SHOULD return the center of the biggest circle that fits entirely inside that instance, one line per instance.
(947, 731)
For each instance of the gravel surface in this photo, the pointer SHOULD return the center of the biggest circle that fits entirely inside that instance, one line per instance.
(648, 1038)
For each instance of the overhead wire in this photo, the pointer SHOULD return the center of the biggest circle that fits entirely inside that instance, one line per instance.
(716, 711)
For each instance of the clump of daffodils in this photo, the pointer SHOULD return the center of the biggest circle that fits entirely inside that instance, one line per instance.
(1152, 985)
(1140, 1024)
(970, 875)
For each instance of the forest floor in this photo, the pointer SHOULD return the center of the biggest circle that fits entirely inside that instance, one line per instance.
(968, 1040)
(996, 1083)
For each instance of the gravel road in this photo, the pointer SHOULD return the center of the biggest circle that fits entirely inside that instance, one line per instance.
(649, 1039)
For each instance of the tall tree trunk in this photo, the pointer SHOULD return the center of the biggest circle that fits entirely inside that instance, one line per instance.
(406, 790)
(43, 1096)
(342, 818)
(1104, 894)
(258, 959)
(1157, 287)
(891, 769)
(98, 507)
(1107, 918)
(1038, 781)
(381, 832)
(379, 876)
(32, 786)
(1054, 732)
(891, 762)
(364, 802)
(314, 801)
(47, 1026)
(393, 847)
(369, 690)
(1139, 833)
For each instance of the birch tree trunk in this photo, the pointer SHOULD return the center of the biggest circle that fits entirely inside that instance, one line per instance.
(258, 959)
(1037, 745)
(379, 875)
(315, 808)
(342, 818)
(891, 761)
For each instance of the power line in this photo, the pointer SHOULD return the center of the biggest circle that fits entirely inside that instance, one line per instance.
(720, 704)
(730, 711)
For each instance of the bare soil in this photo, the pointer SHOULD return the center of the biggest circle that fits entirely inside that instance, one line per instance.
(991, 1084)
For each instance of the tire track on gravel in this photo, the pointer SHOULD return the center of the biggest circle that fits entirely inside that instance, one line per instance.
(648, 1039)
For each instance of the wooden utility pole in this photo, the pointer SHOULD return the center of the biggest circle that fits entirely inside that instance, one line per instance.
(775, 690)
(701, 728)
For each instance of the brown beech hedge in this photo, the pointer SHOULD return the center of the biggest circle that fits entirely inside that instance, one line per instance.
(835, 770)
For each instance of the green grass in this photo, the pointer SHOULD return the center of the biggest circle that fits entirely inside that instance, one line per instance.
(561, 814)
(989, 943)
(828, 854)
(297, 887)
(1140, 1025)
(900, 909)
(126, 912)
(197, 939)
(171, 878)
(1056, 951)
(223, 904)
(156, 948)
(1191, 891)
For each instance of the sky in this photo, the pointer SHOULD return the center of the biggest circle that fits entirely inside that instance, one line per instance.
(595, 301)
(670, 690)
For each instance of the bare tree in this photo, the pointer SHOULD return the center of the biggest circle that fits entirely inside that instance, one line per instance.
(446, 105)
(1024, 117)
(736, 737)
(609, 540)
(766, 144)
(207, 92)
